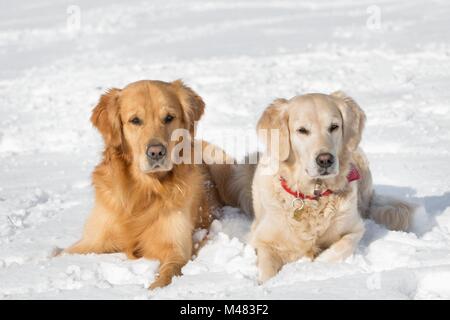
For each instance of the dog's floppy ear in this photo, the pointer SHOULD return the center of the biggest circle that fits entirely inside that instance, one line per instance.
(105, 117)
(275, 117)
(354, 119)
(192, 104)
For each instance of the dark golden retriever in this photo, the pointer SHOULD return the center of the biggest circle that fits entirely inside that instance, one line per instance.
(145, 204)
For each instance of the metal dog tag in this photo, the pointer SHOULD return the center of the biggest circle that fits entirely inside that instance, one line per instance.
(298, 204)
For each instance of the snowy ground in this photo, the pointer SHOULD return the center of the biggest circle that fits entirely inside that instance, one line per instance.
(238, 57)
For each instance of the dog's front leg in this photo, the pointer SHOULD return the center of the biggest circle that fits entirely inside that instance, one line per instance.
(100, 233)
(269, 263)
(343, 248)
(168, 269)
(173, 257)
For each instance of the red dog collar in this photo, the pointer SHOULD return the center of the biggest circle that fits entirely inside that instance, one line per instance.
(353, 175)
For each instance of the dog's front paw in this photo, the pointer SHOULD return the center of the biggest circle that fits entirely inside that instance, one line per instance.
(56, 252)
(160, 282)
(329, 256)
(265, 275)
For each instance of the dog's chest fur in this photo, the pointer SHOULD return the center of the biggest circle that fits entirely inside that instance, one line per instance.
(314, 219)
(308, 227)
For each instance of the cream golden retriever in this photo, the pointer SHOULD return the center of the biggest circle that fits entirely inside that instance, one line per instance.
(145, 204)
(313, 202)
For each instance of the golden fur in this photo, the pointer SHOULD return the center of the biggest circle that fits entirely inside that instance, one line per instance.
(328, 229)
(146, 212)
(152, 211)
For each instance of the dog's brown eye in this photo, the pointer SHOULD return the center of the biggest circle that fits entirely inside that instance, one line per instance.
(333, 127)
(303, 131)
(168, 118)
(136, 121)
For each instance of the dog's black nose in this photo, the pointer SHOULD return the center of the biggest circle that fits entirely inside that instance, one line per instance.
(325, 160)
(156, 151)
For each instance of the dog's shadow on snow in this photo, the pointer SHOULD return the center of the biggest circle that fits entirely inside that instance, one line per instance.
(429, 207)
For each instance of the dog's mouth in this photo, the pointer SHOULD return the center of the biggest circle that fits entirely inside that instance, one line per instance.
(322, 173)
(325, 173)
(159, 168)
(149, 167)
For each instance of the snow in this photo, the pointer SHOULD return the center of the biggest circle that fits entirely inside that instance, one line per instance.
(239, 57)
